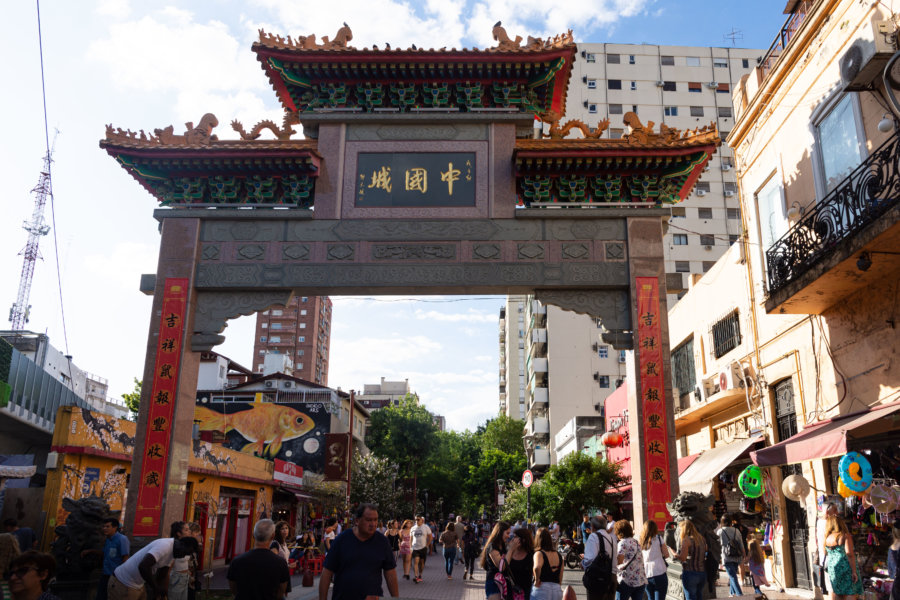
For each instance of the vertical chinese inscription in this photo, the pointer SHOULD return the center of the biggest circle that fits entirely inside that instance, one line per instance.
(162, 408)
(442, 179)
(656, 435)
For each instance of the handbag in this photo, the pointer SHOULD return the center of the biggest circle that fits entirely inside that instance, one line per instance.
(507, 585)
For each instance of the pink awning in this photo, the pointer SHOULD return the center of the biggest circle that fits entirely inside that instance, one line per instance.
(827, 439)
(685, 461)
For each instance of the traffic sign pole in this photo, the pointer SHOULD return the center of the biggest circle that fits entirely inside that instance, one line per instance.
(527, 480)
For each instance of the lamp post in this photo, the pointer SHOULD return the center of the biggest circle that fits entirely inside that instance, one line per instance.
(426, 506)
(501, 483)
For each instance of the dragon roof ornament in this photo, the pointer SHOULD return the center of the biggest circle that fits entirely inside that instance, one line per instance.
(640, 135)
(344, 35)
(201, 135)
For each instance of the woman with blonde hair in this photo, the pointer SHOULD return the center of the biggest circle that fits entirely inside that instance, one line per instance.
(840, 561)
(692, 558)
(406, 547)
(9, 550)
(655, 553)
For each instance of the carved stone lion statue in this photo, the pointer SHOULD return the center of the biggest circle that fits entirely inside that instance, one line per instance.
(81, 532)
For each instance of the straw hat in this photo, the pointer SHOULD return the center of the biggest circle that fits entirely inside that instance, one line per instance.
(882, 498)
(795, 487)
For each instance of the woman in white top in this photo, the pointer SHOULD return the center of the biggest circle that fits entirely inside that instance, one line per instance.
(655, 554)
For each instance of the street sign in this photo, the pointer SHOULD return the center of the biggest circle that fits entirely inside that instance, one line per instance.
(527, 478)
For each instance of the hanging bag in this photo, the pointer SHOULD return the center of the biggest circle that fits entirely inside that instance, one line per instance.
(508, 588)
(598, 577)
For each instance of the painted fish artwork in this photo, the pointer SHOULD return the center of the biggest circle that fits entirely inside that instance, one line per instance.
(265, 425)
(293, 432)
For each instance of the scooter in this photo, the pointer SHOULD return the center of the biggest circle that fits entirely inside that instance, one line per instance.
(571, 552)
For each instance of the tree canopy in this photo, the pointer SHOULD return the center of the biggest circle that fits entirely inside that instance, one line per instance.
(133, 398)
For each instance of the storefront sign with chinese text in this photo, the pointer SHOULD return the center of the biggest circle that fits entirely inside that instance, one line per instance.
(162, 408)
(656, 436)
(430, 179)
(288, 472)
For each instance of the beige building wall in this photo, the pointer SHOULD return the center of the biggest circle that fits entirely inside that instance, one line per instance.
(712, 210)
(513, 400)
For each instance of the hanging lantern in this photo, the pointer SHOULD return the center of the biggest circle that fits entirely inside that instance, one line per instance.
(611, 439)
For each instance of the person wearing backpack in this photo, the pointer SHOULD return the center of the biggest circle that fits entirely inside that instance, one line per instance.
(599, 567)
(732, 553)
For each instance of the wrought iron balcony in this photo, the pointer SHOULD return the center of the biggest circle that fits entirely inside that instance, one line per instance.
(785, 35)
(868, 192)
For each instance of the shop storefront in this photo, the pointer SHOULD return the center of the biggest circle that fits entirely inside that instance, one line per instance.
(226, 493)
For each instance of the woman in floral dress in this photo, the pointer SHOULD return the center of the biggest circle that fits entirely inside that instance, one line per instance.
(840, 562)
(631, 574)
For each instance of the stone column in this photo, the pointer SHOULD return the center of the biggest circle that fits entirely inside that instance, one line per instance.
(178, 254)
(645, 257)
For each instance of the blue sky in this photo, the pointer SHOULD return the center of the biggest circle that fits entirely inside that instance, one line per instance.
(143, 65)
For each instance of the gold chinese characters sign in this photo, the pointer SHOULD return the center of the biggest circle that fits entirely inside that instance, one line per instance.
(424, 179)
(162, 408)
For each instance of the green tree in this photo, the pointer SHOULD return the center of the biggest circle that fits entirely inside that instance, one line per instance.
(374, 479)
(502, 433)
(404, 434)
(133, 399)
(577, 483)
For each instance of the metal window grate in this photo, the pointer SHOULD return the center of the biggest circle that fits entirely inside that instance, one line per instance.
(726, 334)
(683, 372)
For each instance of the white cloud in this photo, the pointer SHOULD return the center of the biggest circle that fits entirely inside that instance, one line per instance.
(470, 316)
(123, 264)
(117, 9)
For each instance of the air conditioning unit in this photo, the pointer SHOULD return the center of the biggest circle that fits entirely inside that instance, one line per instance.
(660, 83)
(701, 192)
(595, 347)
(707, 247)
(732, 377)
(726, 167)
(600, 409)
(585, 103)
(596, 376)
(270, 384)
(712, 85)
(700, 393)
(729, 193)
(864, 61)
(288, 384)
(584, 79)
(621, 358)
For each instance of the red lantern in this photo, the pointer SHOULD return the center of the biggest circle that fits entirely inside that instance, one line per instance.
(611, 439)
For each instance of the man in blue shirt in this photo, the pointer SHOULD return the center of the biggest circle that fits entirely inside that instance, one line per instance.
(24, 535)
(357, 559)
(115, 551)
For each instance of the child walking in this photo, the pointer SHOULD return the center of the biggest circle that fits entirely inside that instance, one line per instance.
(757, 562)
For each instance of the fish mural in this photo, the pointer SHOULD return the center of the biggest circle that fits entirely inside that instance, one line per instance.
(293, 432)
(265, 425)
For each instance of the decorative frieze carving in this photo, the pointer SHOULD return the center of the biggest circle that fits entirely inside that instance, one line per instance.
(615, 250)
(214, 309)
(610, 306)
(576, 251)
(486, 252)
(413, 251)
(295, 252)
(210, 252)
(340, 252)
(251, 252)
(530, 251)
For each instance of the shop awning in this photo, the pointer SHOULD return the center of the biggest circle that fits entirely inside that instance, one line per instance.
(699, 476)
(826, 439)
(300, 494)
(685, 461)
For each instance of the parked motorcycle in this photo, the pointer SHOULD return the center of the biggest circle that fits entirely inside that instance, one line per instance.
(571, 552)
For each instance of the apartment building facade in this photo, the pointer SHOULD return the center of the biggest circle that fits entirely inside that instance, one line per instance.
(683, 87)
(513, 401)
(302, 331)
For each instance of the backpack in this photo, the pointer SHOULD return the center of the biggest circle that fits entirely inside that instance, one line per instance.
(733, 549)
(598, 577)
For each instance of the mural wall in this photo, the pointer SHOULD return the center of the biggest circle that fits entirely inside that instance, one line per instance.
(291, 432)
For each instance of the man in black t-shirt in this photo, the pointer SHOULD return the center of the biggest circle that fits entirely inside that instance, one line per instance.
(357, 559)
(259, 574)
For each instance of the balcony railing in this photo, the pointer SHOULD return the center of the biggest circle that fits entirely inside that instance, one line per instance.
(868, 192)
(784, 37)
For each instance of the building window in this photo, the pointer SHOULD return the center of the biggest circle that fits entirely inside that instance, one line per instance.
(671, 111)
(303, 312)
(276, 326)
(615, 133)
(592, 108)
(614, 84)
(631, 59)
(692, 61)
(680, 239)
(669, 86)
(615, 109)
(723, 135)
(667, 60)
(262, 351)
(733, 237)
(704, 213)
(613, 59)
(264, 325)
(707, 240)
(703, 186)
(726, 335)
(633, 86)
(785, 412)
(299, 365)
(301, 339)
(707, 265)
(724, 112)
(301, 352)
(696, 111)
(720, 63)
(695, 87)
(277, 312)
(262, 338)
(603, 381)
(723, 88)
(603, 351)
(634, 108)
(302, 325)
(304, 299)
(745, 62)
(733, 213)
(683, 370)
(682, 266)
(590, 57)
(730, 186)
(838, 143)
(275, 339)
(678, 212)
(592, 84)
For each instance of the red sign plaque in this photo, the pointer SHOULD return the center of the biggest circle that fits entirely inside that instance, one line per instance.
(656, 435)
(162, 409)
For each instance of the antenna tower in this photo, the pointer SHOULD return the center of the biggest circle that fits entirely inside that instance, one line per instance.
(36, 228)
(734, 35)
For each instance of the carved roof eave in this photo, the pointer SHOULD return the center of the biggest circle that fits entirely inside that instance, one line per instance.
(421, 56)
(611, 147)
